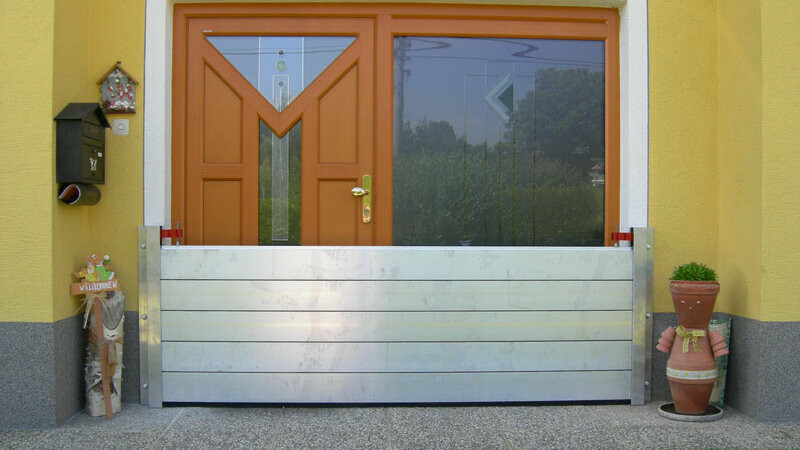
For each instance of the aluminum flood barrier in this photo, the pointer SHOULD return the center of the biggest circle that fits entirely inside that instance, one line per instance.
(394, 324)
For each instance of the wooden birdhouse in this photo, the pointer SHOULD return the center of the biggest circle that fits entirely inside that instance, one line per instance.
(117, 91)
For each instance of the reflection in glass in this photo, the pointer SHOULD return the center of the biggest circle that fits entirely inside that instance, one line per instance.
(285, 63)
(278, 190)
(498, 141)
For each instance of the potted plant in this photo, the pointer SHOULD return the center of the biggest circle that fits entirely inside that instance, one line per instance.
(691, 369)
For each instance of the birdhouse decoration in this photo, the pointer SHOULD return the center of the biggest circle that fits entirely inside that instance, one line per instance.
(117, 91)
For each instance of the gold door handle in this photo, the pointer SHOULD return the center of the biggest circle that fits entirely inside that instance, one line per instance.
(363, 191)
(358, 191)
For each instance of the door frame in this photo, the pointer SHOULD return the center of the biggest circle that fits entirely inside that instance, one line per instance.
(191, 22)
(633, 105)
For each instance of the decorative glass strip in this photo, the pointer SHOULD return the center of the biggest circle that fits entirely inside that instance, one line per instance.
(279, 186)
(280, 165)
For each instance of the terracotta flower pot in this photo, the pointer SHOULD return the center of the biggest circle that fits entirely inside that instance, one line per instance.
(691, 369)
(694, 302)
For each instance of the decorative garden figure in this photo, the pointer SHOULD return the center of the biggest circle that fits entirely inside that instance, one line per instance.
(691, 369)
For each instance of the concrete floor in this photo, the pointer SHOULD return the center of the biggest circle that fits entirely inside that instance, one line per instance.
(562, 426)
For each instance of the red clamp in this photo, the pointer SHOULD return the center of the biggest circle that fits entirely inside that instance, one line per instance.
(617, 236)
(172, 234)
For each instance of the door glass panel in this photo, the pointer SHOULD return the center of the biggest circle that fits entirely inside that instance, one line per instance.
(280, 67)
(498, 141)
(278, 186)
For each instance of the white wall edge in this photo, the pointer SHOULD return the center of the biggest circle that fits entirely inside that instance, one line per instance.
(157, 74)
(634, 112)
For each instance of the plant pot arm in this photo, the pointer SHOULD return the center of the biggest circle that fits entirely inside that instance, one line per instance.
(718, 345)
(665, 341)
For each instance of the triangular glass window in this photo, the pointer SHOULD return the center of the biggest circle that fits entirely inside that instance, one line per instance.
(280, 67)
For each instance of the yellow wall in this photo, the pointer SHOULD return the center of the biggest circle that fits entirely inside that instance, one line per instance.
(59, 48)
(115, 219)
(723, 126)
(739, 159)
(92, 35)
(26, 145)
(683, 140)
(724, 159)
(71, 237)
(781, 160)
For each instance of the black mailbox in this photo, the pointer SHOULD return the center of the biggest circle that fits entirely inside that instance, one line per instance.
(81, 144)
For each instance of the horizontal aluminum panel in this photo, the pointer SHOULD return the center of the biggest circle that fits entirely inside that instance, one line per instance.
(395, 326)
(231, 295)
(396, 263)
(395, 387)
(395, 356)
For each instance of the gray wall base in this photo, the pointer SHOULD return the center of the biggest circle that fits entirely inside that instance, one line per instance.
(130, 358)
(762, 367)
(42, 366)
(41, 372)
(69, 361)
(27, 375)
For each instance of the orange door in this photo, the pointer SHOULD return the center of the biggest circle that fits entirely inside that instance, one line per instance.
(216, 134)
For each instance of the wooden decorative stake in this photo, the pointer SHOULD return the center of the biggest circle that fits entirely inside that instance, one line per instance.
(105, 305)
(102, 348)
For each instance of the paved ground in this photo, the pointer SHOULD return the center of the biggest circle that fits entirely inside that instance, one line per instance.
(563, 426)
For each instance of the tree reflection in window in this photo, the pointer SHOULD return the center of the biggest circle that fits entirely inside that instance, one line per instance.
(498, 142)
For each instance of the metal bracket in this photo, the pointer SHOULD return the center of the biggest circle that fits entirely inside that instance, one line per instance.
(641, 348)
(150, 315)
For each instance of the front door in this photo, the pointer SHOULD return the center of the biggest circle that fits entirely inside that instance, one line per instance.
(267, 100)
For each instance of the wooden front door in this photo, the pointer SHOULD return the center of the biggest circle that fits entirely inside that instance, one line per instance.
(221, 112)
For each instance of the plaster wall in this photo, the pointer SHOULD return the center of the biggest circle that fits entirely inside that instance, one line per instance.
(739, 135)
(781, 160)
(683, 138)
(706, 134)
(118, 35)
(26, 145)
(71, 234)
(59, 49)
(90, 36)
(723, 158)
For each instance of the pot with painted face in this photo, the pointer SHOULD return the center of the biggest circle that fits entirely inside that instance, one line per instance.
(691, 368)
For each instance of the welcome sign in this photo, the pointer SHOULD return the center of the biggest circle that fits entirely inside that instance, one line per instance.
(94, 277)
(93, 287)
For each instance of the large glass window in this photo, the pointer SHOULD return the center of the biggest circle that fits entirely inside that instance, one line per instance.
(498, 141)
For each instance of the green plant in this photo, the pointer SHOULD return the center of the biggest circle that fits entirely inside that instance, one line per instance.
(693, 272)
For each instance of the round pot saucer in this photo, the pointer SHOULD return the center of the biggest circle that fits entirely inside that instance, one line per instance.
(712, 413)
